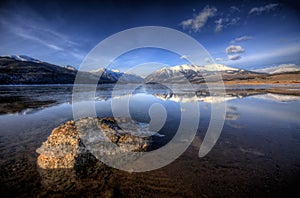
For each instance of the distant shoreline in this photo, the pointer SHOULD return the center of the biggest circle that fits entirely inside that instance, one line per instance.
(233, 82)
(259, 83)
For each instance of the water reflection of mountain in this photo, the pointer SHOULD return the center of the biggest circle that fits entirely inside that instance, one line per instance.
(230, 94)
(22, 105)
(278, 97)
(29, 99)
(185, 98)
(202, 96)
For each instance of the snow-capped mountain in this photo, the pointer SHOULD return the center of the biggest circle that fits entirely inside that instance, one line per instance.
(26, 70)
(195, 68)
(21, 69)
(283, 68)
(173, 74)
(70, 67)
(190, 72)
(117, 76)
(218, 67)
(16, 69)
(22, 58)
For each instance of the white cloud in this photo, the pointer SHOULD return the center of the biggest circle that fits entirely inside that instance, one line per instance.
(242, 38)
(234, 21)
(266, 8)
(208, 60)
(219, 25)
(199, 21)
(184, 57)
(234, 49)
(234, 57)
(222, 23)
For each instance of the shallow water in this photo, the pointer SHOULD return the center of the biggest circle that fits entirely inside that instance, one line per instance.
(257, 153)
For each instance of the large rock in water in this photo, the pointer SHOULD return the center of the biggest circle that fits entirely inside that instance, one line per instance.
(65, 161)
(60, 149)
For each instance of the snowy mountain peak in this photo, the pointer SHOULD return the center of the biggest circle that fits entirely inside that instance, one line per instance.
(70, 67)
(22, 58)
(218, 67)
(185, 67)
(283, 68)
(116, 75)
(101, 70)
(191, 72)
(209, 67)
(115, 70)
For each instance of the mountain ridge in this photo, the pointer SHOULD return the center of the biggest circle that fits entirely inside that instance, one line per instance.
(22, 69)
(283, 68)
(196, 74)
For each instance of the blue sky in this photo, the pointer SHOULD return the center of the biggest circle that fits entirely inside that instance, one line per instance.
(244, 34)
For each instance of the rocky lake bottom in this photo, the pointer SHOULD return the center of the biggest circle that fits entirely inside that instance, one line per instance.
(256, 155)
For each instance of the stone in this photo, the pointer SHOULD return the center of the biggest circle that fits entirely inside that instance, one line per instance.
(64, 158)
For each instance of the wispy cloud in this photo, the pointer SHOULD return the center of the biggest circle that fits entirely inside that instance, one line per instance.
(234, 9)
(234, 57)
(241, 38)
(184, 57)
(287, 53)
(262, 9)
(233, 21)
(78, 55)
(199, 21)
(219, 25)
(277, 53)
(280, 68)
(208, 60)
(27, 24)
(234, 49)
(220, 59)
(225, 22)
(23, 33)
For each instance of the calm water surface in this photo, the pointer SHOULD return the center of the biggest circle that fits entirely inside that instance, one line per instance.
(257, 153)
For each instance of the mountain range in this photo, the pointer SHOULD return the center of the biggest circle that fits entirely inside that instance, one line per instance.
(283, 68)
(26, 70)
(21, 69)
(197, 74)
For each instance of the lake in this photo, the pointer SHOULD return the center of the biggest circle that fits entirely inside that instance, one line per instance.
(257, 153)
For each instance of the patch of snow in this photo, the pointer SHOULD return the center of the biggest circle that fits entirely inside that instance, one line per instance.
(70, 67)
(277, 97)
(218, 67)
(283, 68)
(187, 99)
(22, 58)
(209, 67)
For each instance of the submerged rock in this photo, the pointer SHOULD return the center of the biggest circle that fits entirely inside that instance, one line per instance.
(64, 159)
(60, 149)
